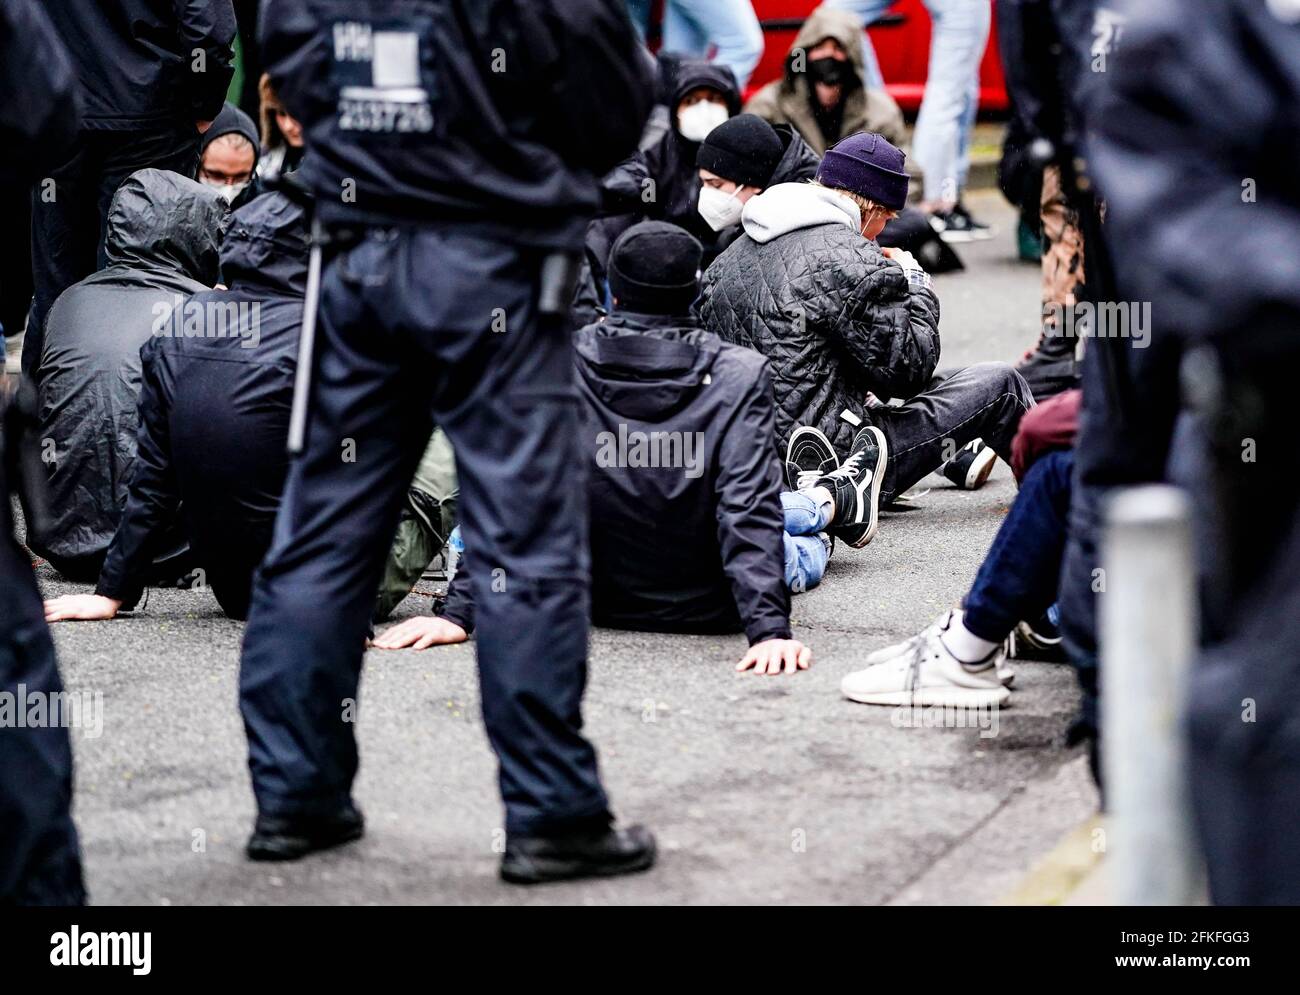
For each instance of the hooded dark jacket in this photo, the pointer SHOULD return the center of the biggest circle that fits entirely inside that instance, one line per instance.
(832, 314)
(162, 243)
(694, 548)
(669, 164)
(498, 114)
(214, 414)
(144, 63)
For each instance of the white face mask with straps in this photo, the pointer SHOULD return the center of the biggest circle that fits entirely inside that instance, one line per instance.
(699, 119)
(720, 209)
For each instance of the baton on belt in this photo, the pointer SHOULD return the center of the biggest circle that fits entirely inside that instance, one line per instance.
(306, 343)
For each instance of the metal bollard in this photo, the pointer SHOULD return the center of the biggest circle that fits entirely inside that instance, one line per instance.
(1147, 626)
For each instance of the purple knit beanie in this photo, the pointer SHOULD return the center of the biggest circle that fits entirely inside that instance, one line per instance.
(869, 166)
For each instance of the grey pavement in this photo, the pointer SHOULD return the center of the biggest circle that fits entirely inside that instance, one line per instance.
(760, 789)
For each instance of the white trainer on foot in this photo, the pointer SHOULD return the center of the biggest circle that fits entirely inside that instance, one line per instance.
(927, 674)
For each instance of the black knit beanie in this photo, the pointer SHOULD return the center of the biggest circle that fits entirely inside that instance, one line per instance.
(744, 149)
(654, 267)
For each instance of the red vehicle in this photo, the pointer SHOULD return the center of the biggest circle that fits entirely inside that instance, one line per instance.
(902, 41)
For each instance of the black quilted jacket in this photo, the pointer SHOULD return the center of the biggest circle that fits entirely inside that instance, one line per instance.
(835, 318)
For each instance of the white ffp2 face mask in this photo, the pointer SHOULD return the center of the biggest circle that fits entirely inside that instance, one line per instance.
(721, 210)
(229, 190)
(698, 120)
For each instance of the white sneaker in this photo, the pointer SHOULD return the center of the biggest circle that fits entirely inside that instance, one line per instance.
(927, 674)
(1006, 674)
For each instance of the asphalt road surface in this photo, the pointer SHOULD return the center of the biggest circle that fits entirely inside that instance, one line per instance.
(759, 789)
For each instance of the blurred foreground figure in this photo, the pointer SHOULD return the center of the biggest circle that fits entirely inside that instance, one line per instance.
(40, 859)
(1196, 151)
(453, 150)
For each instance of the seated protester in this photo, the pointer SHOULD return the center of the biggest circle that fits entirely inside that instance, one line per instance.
(740, 159)
(282, 141)
(842, 319)
(217, 387)
(959, 660)
(661, 182)
(162, 241)
(684, 490)
(821, 93)
(228, 156)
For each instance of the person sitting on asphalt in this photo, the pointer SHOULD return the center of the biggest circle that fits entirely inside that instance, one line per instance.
(228, 156)
(846, 325)
(821, 93)
(162, 245)
(686, 509)
(745, 155)
(741, 158)
(1010, 609)
(216, 390)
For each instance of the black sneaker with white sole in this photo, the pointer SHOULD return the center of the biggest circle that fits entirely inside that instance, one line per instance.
(971, 467)
(808, 455)
(856, 488)
(957, 226)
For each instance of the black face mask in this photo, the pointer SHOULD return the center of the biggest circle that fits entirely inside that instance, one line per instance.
(832, 72)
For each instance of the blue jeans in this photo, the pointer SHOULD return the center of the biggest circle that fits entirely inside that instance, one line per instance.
(941, 143)
(868, 10)
(805, 553)
(1019, 577)
(691, 27)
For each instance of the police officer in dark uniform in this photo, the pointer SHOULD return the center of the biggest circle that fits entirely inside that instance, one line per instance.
(453, 149)
(40, 860)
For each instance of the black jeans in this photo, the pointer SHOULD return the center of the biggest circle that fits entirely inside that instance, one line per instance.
(407, 337)
(70, 210)
(984, 401)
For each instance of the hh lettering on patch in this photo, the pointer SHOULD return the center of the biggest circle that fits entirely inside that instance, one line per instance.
(380, 84)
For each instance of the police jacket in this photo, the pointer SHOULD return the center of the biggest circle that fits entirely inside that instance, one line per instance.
(686, 521)
(497, 113)
(145, 63)
(38, 110)
(835, 318)
(162, 246)
(214, 408)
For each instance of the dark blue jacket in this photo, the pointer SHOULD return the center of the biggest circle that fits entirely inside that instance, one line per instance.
(498, 113)
(147, 63)
(1195, 141)
(695, 548)
(214, 408)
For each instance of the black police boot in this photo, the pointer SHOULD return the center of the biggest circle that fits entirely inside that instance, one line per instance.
(588, 853)
(279, 838)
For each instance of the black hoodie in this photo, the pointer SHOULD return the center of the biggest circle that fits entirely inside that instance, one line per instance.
(214, 411)
(694, 546)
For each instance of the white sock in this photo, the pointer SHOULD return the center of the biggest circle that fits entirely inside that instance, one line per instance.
(825, 501)
(967, 647)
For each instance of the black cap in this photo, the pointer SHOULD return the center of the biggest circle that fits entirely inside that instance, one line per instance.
(744, 149)
(654, 267)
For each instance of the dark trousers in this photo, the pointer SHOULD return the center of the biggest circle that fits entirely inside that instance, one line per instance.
(1018, 579)
(417, 326)
(70, 210)
(984, 401)
(40, 859)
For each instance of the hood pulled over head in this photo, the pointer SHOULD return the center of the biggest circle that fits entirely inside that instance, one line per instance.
(162, 220)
